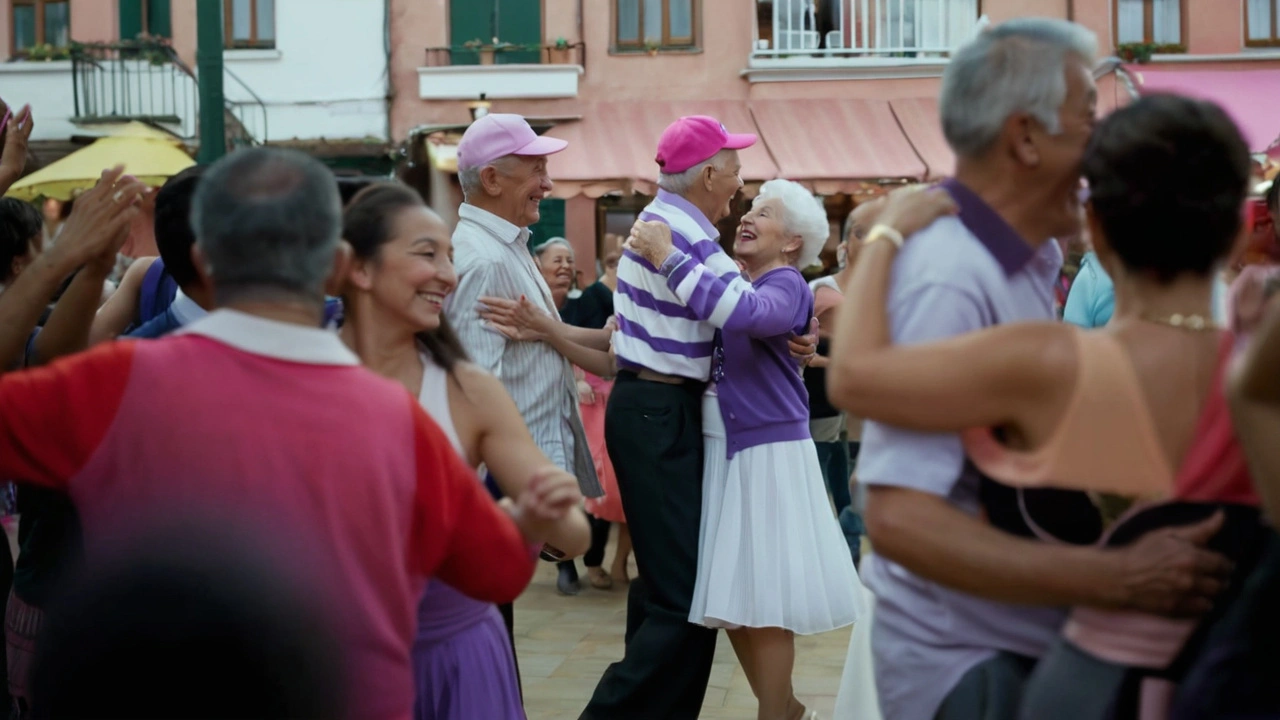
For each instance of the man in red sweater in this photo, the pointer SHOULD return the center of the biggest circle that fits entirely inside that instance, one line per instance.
(255, 415)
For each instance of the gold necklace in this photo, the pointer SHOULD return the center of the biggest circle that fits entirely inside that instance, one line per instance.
(1193, 322)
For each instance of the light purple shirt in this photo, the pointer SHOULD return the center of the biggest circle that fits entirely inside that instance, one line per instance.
(959, 275)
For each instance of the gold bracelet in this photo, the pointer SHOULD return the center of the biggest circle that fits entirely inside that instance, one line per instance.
(879, 232)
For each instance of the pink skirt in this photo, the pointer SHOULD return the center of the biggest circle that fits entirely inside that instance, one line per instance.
(608, 506)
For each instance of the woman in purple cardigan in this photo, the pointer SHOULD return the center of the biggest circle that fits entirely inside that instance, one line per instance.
(772, 560)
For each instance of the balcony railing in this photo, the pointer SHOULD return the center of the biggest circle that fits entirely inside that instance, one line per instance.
(506, 54)
(146, 80)
(863, 30)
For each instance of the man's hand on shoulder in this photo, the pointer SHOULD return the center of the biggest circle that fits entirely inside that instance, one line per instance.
(805, 347)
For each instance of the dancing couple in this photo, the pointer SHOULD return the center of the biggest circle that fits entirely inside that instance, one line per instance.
(707, 427)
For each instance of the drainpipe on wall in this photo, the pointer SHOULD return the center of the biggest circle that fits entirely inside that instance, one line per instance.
(209, 45)
(390, 97)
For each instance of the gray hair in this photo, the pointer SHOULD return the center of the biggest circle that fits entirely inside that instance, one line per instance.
(1015, 67)
(268, 222)
(539, 250)
(803, 214)
(470, 177)
(681, 183)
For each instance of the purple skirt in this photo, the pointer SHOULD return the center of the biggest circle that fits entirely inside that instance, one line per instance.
(462, 662)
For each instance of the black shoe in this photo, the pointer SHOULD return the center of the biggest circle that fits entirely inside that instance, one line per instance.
(567, 583)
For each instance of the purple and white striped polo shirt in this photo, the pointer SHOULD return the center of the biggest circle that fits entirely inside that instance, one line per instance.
(655, 329)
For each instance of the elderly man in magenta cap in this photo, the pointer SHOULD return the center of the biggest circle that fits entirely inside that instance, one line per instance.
(653, 429)
(502, 165)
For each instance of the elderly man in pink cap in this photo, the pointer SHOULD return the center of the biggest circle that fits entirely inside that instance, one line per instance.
(653, 428)
(502, 165)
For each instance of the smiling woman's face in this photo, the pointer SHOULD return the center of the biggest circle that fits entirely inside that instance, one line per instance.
(413, 272)
(762, 236)
(556, 264)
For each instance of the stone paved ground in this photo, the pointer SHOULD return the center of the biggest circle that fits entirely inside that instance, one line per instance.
(565, 643)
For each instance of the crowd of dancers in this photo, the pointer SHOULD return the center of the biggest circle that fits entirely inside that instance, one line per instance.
(301, 464)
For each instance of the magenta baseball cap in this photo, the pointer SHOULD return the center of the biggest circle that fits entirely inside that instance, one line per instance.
(498, 135)
(695, 139)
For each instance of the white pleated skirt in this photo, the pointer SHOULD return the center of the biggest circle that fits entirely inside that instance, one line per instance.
(771, 553)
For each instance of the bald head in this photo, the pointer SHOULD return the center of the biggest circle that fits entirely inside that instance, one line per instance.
(268, 221)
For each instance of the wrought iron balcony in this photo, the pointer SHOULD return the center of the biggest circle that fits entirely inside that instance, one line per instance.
(146, 80)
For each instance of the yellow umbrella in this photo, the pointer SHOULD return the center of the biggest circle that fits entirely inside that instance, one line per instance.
(151, 159)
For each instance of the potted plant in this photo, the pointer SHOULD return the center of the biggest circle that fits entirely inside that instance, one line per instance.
(48, 53)
(560, 52)
(1135, 52)
(652, 47)
(485, 52)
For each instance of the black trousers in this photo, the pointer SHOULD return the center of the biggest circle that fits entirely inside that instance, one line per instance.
(508, 611)
(654, 435)
(599, 539)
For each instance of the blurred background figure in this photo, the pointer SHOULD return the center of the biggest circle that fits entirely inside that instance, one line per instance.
(592, 309)
(196, 623)
(55, 213)
(555, 260)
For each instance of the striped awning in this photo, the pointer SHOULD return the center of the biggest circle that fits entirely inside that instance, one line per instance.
(922, 124)
(835, 146)
(612, 149)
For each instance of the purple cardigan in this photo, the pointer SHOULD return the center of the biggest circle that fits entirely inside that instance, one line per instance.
(761, 392)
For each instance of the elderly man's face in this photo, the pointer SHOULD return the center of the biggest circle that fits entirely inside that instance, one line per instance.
(523, 183)
(1060, 154)
(725, 183)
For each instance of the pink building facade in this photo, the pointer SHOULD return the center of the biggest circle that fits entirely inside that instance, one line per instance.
(843, 92)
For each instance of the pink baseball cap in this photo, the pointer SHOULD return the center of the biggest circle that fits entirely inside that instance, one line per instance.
(499, 135)
(695, 139)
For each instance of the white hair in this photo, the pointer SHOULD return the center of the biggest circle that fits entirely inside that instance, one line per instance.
(539, 250)
(469, 178)
(1015, 67)
(803, 214)
(681, 183)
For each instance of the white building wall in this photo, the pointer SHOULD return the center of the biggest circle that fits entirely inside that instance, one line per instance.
(327, 77)
(46, 86)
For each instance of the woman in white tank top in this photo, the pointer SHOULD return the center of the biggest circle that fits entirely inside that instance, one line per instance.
(395, 292)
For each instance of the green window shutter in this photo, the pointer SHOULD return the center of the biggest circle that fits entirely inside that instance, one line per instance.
(469, 20)
(551, 225)
(160, 18)
(519, 23)
(130, 19)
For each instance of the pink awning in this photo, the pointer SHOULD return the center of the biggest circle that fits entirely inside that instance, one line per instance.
(1250, 97)
(834, 146)
(922, 124)
(612, 148)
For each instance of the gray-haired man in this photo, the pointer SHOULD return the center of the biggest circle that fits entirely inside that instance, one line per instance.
(958, 624)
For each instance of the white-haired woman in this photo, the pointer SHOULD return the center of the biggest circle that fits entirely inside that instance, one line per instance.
(772, 561)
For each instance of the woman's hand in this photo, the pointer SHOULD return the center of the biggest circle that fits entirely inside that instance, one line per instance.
(519, 319)
(911, 210)
(651, 240)
(586, 395)
(13, 156)
(100, 222)
(548, 509)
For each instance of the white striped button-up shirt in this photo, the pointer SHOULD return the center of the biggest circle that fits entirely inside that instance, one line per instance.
(492, 258)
